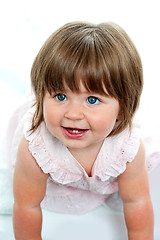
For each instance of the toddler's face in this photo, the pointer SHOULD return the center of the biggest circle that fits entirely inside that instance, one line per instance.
(80, 120)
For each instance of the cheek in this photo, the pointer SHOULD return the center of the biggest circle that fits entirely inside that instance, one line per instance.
(106, 124)
(52, 116)
(105, 120)
(48, 114)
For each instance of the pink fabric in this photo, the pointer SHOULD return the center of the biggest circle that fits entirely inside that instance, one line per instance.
(69, 189)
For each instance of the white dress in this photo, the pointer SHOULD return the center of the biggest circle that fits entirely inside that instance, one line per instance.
(69, 189)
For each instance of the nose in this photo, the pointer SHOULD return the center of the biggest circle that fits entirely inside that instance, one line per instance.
(74, 112)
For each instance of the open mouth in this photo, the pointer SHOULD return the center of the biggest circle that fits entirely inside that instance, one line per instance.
(74, 132)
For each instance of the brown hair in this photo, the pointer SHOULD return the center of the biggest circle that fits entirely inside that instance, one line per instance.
(102, 56)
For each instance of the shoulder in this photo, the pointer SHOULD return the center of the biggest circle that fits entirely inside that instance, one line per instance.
(134, 180)
(25, 162)
(137, 165)
(29, 183)
(124, 147)
(134, 183)
(129, 143)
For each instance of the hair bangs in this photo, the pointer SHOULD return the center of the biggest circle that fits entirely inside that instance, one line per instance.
(80, 62)
(100, 57)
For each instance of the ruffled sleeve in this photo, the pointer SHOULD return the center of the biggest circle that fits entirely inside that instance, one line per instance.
(117, 151)
(50, 154)
(36, 144)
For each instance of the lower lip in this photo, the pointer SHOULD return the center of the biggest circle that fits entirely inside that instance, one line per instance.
(74, 135)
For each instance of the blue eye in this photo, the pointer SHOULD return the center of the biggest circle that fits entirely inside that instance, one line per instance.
(61, 97)
(93, 100)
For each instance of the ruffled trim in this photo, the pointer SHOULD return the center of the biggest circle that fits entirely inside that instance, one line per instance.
(152, 146)
(114, 161)
(36, 145)
(49, 153)
(54, 158)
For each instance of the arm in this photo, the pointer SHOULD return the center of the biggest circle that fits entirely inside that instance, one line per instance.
(29, 188)
(134, 191)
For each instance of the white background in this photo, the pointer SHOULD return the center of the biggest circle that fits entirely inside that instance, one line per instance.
(25, 25)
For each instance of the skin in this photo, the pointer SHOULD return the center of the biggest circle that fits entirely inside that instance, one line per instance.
(134, 191)
(29, 187)
(75, 111)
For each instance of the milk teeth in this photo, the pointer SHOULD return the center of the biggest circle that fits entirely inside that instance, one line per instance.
(75, 131)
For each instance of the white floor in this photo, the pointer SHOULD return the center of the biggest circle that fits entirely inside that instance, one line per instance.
(100, 224)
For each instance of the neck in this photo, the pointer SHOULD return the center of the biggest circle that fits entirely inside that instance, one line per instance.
(86, 153)
(86, 157)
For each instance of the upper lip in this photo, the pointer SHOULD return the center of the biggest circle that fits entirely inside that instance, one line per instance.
(76, 128)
